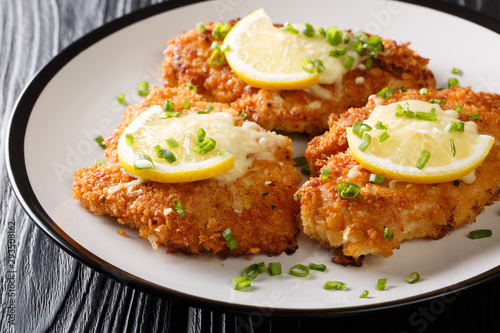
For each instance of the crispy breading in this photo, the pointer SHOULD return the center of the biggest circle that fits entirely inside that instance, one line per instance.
(186, 60)
(258, 207)
(409, 210)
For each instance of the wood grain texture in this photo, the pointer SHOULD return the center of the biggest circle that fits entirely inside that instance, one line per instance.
(55, 293)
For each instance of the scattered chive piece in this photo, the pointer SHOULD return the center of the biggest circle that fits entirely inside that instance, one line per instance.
(207, 109)
(385, 93)
(358, 129)
(308, 30)
(221, 29)
(300, 161)
(439, 101)
(100, 160)
(217, 57)
(191, 87)
(317, 267)
(143, 88)
(333, 36)
(275, 268)
(167, 155)
(424, 91)
(171, 142)
(244, 116)
(230, 240)
(205, 146)
(100, 141)
(200, 26)
(453, 82)
(143, 161)
(452, 147)
(287, 27)
(367, 139)
(121, 98)
(474, 116)
(306, 170)
(425, 155)
(186, 104)
(377, 179)
(299, 270)
(456, 71)
(455, 127)
(178, 207)
(429, 116)
(382, 136)
(412, 278)
(337, 52)
(220, 152)
(364, 294)
(381, 284)
(368, 63)
(349, 191)
(348, 62)
(262, 267)
(170, 114)
(240, 282)
(459, 108)
(252, 268)
(325, 173)
(347, 38)
(480, 233)
(388, 234)
(312, 66)
(381, 126)
(200, 136)
(334, 285)
(129, 139)
(168, 105)
(399, 111)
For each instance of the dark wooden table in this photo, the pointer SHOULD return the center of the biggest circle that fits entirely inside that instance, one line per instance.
(45, 289)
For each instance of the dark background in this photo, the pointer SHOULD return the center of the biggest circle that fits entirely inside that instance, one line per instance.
(56, 293)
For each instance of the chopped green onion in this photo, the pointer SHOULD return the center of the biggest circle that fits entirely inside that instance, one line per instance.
(230, 240)
(425, 155)
(220, 152)
(299, 270)
(200, 136)
(367, 139)
(480, 233)
(337, 285)
(333, 36)
(387, 234)
(325, 173)
(424, 91)
(186, 104)
(100, 141)
(453, 82)
(317, 267)
(459, 108)
(452, 147)
(240, 282)
(359, 128)
(357, 46)
(221, 29)
(381, 284)
(399, 111)
(455, 127)
(166, 155)
(287, 27)
(347, 38)
(168, 105)
(262, 267)
(170, 114)
(171, 142)
(252, 268)
(143, 88)
(381, 126)
(364, 294)
(429, 116)
(143, 161)
(382, 136)
(207, 109)
(191, 87)
(178, 207)
(306, 170)
(275, 268)
(348, 61)
(129, 139)
(349, 191)
(100, 160)
(244, 116)
(362, 36)
(207, 145)
(474, 116)
(308, 30)
(377, 179)
(217, 57)
(412, 278)
(368, 63)
(439, 101)
(313, 66)
(385, 93)
(121, 98)
(456, 71)
(300, 161)
(322, 31)
(201, 27)
(337, 52)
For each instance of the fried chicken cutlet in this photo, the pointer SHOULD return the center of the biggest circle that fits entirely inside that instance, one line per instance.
(409, 210)
(258, 207)
(186, 61)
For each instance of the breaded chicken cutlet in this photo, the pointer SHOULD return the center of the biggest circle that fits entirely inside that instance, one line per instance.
(258, 207)
(407, 209)
(186, 61)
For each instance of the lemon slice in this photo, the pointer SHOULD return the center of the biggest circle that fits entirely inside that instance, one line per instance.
(265, 57)
(141, 153)
(453, 153)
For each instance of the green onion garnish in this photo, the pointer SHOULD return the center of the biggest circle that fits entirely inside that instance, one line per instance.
(364, 294)
(275, 268)
(170, 114)
(299, 270)
(377, 179)
(186, 104)
(337, 285)
(453, 82)
(424, 91)
(287, 27)
(322, 31)
(312, 66)
(429, 116)
(308, 30)
(129, 139)
(367, 139)
(399, 111)
(337, 52)
(368, 63)
(425, 155)
(121, 98)
(191, 87)
(244, 116)
(143, 161)
(100, 160)
(201, 27)
(474, 116)
(381, 126)
(200, 136)
(221, 29)
(388, 234)
(350, 191)
(100, 141)
(168, 105)
(348, 61)
(143, 88)
(254, 269)
(358, 129)
(438, 101)
(459, 108)
(178, 207)
(220, 152)
(456, 71)
(262, 267)
(317, 267)
(306, 170)
(167, 155)
(207, 109)
(171, 142)
(325, 173)
(347, 38)
(207, 145)
(480, 233)
(412, 278)
(382, 136)
(455, 127)
(240, 282)
(385, 93)
(230, 240)
(333, 36)
(381, 284)
(452, 147)
(217, 57)
(300, 161)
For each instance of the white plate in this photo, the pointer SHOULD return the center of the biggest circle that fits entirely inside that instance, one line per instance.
(73, 99)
